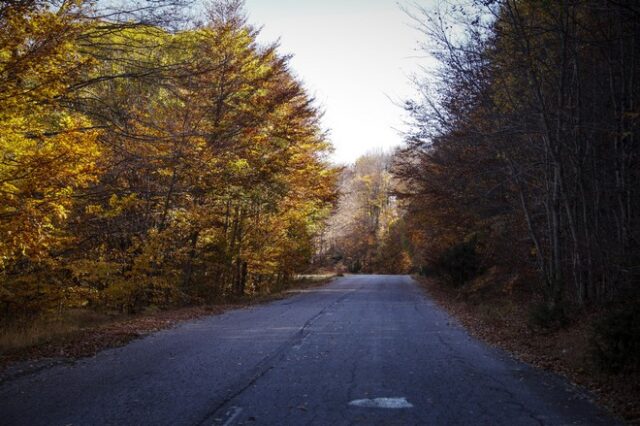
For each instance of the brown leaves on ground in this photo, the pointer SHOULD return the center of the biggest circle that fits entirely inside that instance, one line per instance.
(564, 351)
(118, 332)
(89, 341)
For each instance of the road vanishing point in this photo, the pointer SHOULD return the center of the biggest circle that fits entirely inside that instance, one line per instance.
(363, 350)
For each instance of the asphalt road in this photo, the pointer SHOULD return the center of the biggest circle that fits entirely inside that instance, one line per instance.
(362, 350)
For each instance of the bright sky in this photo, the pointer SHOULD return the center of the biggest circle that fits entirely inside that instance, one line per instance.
(353, 55)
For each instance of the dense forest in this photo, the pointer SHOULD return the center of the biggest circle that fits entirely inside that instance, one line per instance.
(519, 184)
(149, 161)
(366, 231)
(522, 167)
(155, 155)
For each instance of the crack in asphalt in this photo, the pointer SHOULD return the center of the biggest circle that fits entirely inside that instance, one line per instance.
(513, 400)
(268, 363)
(301, 363)
(500, 387)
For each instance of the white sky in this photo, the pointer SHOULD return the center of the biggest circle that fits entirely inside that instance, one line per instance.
(353, 55)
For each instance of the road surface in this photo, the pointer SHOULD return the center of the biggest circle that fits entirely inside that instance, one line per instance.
(365, 349)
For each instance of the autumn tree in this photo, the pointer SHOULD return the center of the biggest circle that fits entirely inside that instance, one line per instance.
(523, 142)
(365, 232)
(151, 166)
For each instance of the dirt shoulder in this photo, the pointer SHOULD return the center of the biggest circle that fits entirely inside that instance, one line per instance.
(121, 330)
(564, 351)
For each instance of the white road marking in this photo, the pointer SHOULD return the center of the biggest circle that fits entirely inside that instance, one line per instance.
(232, 413)
(392, 403)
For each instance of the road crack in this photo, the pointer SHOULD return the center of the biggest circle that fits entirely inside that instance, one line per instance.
(267, 364)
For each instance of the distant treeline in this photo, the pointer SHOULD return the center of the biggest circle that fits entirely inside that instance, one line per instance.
(366, 233)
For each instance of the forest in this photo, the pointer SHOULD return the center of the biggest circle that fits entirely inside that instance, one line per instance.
(150, 160)
(521, 174)
(366, 231)
(518, 188)
(147, 164)
(524, 147)
(154, 155)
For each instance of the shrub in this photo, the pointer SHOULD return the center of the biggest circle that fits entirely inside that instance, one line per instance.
(542, 315)
(459, 263)
(615, 339)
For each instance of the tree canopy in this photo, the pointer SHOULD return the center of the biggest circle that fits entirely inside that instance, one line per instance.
(141, 165)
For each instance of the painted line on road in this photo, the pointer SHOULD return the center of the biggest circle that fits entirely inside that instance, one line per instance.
(232, 414)
(391, 403)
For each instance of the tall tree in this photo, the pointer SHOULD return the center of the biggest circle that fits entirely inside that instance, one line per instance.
(145, 165)
(529, 134)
